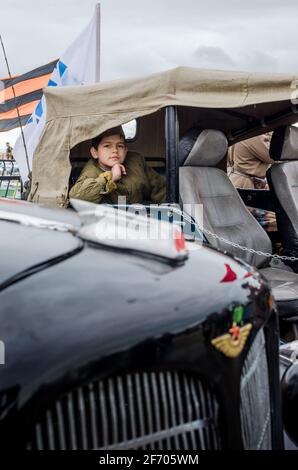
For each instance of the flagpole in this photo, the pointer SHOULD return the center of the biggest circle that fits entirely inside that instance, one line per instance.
(17, 108)
(97, 51)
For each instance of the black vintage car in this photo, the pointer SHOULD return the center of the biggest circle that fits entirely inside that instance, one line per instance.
(111, 344)
(113, 347)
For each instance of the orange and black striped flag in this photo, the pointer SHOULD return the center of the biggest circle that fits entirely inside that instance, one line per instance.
(28, 90)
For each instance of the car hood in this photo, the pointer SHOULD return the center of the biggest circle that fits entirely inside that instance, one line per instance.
(31, 236)
(104, 301)
(101, 302)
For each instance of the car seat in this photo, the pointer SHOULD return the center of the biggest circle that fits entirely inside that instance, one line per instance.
(225, 214)
(283, 182)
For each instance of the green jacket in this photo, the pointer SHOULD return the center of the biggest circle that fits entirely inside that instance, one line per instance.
(140, 184)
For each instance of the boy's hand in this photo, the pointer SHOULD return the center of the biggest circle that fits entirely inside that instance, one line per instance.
(118, 171)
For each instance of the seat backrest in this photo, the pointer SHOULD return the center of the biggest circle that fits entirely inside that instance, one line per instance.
(224, 212)
(283, 182)
(77, 166)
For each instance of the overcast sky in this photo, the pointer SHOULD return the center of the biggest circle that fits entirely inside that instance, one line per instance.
(145, 36)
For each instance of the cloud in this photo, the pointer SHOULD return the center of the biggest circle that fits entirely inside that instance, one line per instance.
(210, 56)
(140, 37)
(259, 61)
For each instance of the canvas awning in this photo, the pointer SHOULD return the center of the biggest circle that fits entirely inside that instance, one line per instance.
(76, 114)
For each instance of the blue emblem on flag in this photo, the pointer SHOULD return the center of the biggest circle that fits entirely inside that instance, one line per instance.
(61, 67)
(39, 110)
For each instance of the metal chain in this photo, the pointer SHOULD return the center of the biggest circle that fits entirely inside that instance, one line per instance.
(250, 250)
(240, 247)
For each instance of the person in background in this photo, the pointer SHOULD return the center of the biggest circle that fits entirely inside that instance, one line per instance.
(8, 152)
(248, 162)
(113, 171)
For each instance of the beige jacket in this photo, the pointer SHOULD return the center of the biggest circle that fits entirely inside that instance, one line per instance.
(248, 159)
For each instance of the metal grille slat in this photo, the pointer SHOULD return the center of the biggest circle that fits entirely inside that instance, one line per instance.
(103, 414)
(122, 403)
(71, 418)
(61, 432)
(255, 408)
(162, 410)
(156, 406)
(164, 402)
(189, 409)
(213, 425)
(163, 435)
(131, 416)
(175, 422)
(94, 431)
(200, 409)
(50, 430)
(114, 414)
(39, 439)
(148, 405)
(208, 409)
(180, 409)
(82, 411)
(140, 404)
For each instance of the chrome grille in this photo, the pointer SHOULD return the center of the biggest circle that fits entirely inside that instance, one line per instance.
(147, 410)
(255, 399)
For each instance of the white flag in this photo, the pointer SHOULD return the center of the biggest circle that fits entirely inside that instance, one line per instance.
(79, 65)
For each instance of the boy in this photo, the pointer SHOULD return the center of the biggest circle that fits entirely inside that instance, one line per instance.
(113, 171)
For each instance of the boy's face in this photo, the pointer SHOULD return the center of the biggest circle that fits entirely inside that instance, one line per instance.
(111, 150)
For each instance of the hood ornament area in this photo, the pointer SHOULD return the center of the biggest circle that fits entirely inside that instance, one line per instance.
(128, 230)
(231, 344)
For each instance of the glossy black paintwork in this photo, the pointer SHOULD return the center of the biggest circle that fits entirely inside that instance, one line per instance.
(103, 312)
(83, 297)
(22, 247)
(55, 214)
